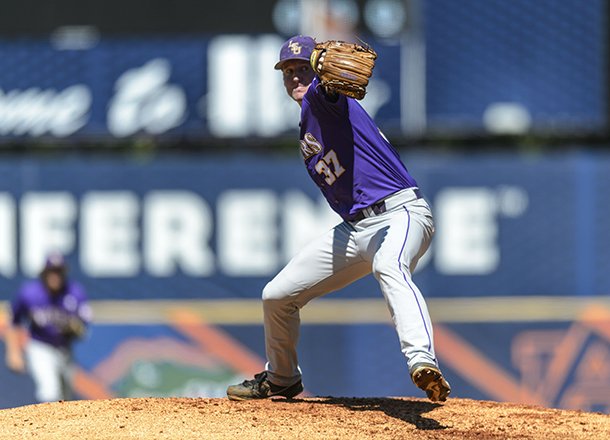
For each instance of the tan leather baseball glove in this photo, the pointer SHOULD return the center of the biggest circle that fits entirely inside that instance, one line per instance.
(344, 67)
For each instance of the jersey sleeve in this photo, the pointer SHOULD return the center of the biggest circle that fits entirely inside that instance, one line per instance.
(335, 105)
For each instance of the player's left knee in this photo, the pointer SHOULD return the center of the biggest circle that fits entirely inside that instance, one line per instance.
(382, 268)
(272, 292)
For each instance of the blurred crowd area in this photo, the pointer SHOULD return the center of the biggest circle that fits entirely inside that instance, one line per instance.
(145, 76)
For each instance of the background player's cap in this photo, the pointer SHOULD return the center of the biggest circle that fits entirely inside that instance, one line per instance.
(298, 47)
(55, 262)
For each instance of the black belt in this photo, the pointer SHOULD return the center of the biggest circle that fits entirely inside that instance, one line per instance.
(379, 207)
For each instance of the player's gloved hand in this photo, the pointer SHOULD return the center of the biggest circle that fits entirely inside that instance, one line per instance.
(75, 328)
(343, 67)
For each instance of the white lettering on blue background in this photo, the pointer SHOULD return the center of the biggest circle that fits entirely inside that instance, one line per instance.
(145, 100)
(36, 112)
(466, 242)
(250, 232)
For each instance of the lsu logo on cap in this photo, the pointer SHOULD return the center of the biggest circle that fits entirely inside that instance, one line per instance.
(295, 47)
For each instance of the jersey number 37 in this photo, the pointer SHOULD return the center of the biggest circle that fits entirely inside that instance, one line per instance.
(329, 166)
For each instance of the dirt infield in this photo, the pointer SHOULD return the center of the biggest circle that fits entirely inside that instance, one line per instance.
(310, 418)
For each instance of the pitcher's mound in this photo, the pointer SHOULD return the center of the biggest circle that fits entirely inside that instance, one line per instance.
(309, 418)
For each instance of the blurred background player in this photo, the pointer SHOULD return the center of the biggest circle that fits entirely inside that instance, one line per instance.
(387, 228)
(55, 313)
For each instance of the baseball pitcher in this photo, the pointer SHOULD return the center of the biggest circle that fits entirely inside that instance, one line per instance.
(387, 224)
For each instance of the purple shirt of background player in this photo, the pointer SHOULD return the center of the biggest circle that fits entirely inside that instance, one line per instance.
(48, 315)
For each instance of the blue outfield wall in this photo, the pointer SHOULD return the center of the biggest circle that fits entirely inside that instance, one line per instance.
(212, 227)
(187, 87)
(517, 277)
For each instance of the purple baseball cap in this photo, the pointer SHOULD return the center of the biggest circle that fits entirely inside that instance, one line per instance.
(55, 262)
(298, 47)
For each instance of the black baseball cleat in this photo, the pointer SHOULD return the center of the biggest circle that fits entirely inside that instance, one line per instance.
(261, 388)
(430, 379)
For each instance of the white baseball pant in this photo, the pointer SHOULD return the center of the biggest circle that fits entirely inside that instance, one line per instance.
(51, 370)
(389, 245)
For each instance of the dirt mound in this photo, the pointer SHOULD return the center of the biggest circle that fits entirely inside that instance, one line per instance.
(310, 418)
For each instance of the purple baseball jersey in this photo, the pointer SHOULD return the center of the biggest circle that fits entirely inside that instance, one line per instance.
(47, 315)
(346, 155)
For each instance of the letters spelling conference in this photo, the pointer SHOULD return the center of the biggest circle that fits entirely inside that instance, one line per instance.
(248, 233)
